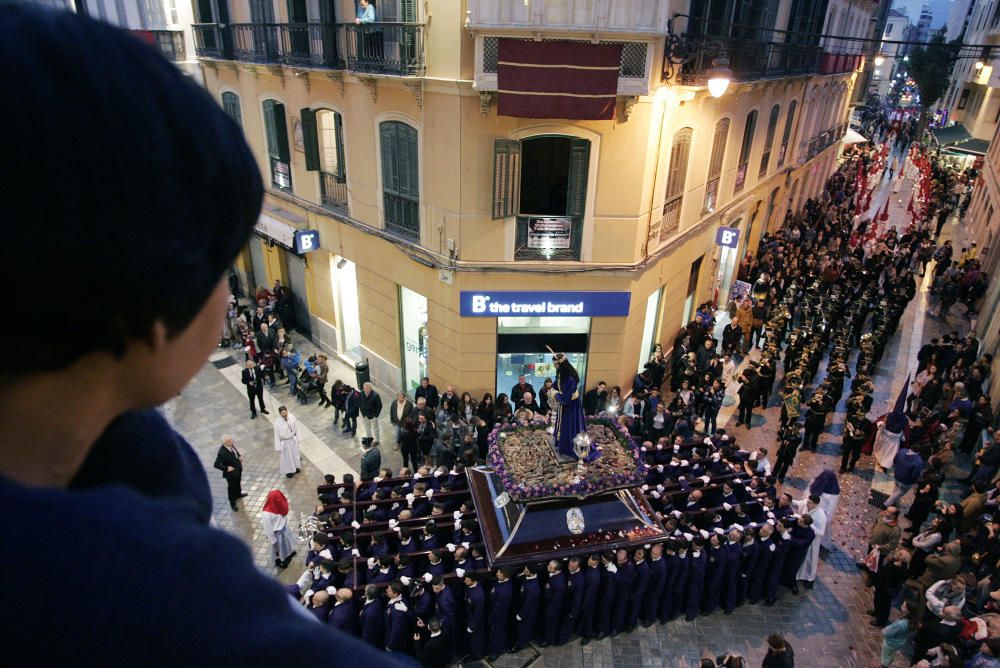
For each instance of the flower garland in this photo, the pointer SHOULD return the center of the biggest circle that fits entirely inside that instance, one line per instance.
(599, 473)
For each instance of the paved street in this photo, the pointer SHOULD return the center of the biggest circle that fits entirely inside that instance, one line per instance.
(826, 626)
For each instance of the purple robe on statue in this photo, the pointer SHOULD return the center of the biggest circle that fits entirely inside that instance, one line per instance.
(570, 419)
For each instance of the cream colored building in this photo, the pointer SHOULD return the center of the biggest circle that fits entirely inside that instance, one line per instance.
(385, 138)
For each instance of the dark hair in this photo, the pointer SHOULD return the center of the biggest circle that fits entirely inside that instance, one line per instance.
(158, 190)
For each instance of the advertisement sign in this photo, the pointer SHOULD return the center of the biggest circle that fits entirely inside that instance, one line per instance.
(741, 290)
(549, 233)
(728, 237)
(306, 241)
(490, 304)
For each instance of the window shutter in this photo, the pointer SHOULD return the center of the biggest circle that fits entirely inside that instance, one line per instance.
(281, 133)
(407, 11)
(269, 133)
(576, 190)
(310, 139)
(506, 177)
(338, 125)
(231, 105)
(388, 141)
(409, 161)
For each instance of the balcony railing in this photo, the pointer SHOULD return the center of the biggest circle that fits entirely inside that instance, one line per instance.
(297, 44)
(752, 59)
(169, 42)
(385, 48)
(334, 190)
(211, 41)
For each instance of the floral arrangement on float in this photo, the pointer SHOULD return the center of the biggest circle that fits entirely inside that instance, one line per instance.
(523, 458)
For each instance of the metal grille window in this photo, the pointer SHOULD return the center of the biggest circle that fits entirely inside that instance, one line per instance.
(741, 169)
(400, 179)
(715, 164)
(772, 126)
(632, 66)
(676, 177)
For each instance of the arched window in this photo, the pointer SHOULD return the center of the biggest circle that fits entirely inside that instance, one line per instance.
(323, 137)
(715, 164)
(772, 125)
(787, 134)
(680, 151)
(400, 179)
(231, 105)
(741, 169)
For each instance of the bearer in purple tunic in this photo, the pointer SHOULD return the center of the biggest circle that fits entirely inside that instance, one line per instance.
(568, 403)
(343, 616)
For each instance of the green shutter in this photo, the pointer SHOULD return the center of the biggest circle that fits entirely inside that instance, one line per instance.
(231, 105)
(338, 124)
(506, 177)
(576, 191)
(388, 140)
(281, 134)
(310, 139)
(409, 163)
(408, 11)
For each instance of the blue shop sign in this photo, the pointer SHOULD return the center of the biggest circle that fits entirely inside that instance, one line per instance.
(306, 241)
(567, 303)
(728, 237)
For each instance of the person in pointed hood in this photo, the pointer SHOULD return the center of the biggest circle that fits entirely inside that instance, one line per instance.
(275, 520)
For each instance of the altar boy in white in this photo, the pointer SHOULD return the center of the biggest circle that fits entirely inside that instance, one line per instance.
(286, 442)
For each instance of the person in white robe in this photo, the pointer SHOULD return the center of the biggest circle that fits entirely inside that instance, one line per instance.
(827, 488)
(274, 518)
(811, 506)
(286, 443)
(887, 439)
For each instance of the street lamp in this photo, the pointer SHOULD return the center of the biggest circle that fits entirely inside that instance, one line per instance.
(719, 77)
(980, 65)
(879, 59)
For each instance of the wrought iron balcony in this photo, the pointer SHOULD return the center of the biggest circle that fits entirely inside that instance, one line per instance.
(385, 48)
(751, 59)
(295, 44)
(169, 42)
(334, 191)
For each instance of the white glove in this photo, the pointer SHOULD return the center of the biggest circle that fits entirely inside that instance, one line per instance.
(395, 506)
(705, 479)
(645, 488)
(460, 572)
(739, 527)
(343, 511)
(612, 568)
(688, 537)
(753, 456)
(704, 534)
(716, 457)
(393, 524)
(371, 563)
(451, 547)
(428, 577)
(677, 448)
(355, 524)
(457, 514)
(677, 514)
(430, 493)
(438, 473)
(684, 463)
(659, 446)
(727, 506)
(465, 544)
(659, 467)
(519, 618)
(356, 552)
(405, 579)
(458, 525)
(309, 594)
(707, 441)
(786, 535)
(410, 498)
(642, 448)
(655, 494)
(417, 476)
(681, 478)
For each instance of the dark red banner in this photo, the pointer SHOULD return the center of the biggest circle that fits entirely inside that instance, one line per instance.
(557, 79)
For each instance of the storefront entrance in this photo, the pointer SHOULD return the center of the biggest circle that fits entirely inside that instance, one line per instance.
(345, 289)
(413, 334)
(521, 348)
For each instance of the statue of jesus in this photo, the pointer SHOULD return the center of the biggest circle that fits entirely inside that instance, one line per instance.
(565, 397)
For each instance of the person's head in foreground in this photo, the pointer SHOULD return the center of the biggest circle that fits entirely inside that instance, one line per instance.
(129, 192)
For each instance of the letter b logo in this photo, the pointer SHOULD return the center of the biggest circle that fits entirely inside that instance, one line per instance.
(479, 303)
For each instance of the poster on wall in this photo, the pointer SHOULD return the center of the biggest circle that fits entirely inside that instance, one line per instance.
(300, 144)
(741, 290)
(549, 233)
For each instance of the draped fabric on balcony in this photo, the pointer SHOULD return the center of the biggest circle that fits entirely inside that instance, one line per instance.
(557, 79)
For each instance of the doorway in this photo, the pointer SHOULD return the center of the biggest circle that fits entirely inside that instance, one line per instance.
(345, 287)
(297, 283)
(692, 291)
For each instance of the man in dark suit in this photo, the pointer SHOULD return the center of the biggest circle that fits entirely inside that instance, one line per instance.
(428, 392)
(230, 463)
(253, 378)
(517, 392)
(433, 645)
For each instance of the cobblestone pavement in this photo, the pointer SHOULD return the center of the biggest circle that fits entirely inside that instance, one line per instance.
(826, 626)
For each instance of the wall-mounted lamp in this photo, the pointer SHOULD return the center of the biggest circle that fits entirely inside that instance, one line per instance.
(980, 65)
(879, 59)
(719, 77)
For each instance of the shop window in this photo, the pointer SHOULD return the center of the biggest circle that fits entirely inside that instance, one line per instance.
(231, 105)
(400, 179)
(741, 169)
(323, 137)
(521, 348)
(964, 99)
(276, 133)
(650, 327)
(344, 278)
(786, 134)
(543, 181)
(772, 125)
(680, 151)
(715, 164)
(413, 330)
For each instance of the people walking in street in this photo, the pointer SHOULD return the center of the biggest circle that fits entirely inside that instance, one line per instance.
(286, 442)
(371, 408)
(230, 462)
(274, 519)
